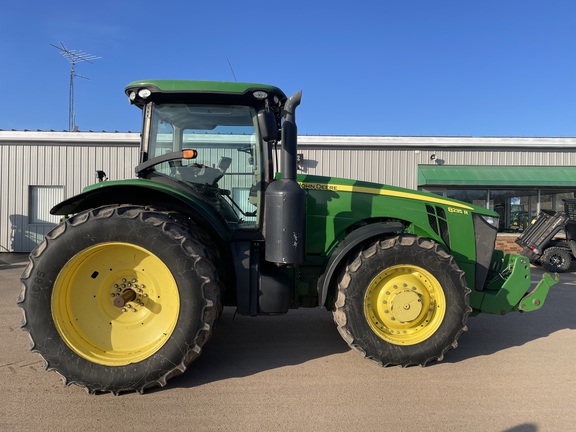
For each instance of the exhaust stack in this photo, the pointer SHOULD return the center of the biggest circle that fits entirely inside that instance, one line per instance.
(285, 200)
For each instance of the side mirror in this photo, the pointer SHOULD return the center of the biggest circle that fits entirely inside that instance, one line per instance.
(101, 175)
(224, 163)
(268, 126)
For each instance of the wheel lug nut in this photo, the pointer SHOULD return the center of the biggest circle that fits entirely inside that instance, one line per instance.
(123, 309)
(134, 310)
(134, 280)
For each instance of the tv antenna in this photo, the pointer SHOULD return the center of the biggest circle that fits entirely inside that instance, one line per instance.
(73, 56)
(231, 70)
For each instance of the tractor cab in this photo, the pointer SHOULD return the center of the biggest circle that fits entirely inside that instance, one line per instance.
(215, 148)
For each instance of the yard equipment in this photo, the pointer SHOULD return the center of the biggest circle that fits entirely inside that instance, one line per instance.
(542, 246)
(124, 293)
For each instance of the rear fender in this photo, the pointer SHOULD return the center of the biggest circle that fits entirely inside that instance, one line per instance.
(146, 194)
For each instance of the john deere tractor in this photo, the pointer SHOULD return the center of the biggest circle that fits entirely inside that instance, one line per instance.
(124, 293)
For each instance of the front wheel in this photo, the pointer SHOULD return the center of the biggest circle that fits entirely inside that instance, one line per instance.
(402, 301)
(120, 298)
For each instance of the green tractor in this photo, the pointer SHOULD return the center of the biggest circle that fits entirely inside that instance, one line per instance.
(124, 293)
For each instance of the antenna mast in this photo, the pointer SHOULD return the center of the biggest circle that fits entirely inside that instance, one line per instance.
(73, 56)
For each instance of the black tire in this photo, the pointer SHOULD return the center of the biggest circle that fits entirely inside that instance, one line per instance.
(70, 278)
(556, 259)
(402, 301)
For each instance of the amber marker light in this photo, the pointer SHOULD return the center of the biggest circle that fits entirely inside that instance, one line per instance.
(189, 154)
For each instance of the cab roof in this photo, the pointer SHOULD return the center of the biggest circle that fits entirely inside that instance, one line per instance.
(190, 91)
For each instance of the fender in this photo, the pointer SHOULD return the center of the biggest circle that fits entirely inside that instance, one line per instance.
(143, 192)
(349, 242)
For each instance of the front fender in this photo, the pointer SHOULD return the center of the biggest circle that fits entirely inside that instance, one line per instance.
(143, 192)
(345, 246)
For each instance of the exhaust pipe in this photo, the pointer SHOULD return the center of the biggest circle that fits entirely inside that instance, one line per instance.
(290, 137)
(285, 209)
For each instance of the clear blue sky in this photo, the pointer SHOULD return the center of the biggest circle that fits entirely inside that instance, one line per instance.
(387, 67)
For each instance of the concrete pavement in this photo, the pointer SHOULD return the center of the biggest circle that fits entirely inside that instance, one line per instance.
(294, 373)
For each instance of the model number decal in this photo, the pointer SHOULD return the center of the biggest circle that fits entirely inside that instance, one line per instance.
(457, 210)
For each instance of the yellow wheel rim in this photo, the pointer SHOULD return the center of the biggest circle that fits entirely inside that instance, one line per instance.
(404, 305)
(115, 304)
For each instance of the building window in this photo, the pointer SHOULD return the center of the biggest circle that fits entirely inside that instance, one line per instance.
(42, 199)
(517, 207)
(473, 196)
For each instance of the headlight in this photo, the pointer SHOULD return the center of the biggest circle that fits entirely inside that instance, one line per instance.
(491, 220)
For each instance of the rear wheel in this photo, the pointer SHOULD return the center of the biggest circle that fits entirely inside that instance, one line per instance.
(556, 259)
(120, 298)
(402, 301)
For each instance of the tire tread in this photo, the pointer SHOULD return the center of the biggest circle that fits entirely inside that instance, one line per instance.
(357, 261)
(201, 252)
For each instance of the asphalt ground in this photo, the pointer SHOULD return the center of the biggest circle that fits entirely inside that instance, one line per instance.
(294, 373)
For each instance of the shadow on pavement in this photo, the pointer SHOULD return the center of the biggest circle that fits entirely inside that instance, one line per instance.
(488, 334)
(249, 345)
(245, 346)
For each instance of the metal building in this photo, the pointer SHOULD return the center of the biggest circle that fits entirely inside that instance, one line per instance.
(514, 176)
(517, 177)
(39, 169)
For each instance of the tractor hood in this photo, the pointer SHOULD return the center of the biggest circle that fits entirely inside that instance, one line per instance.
(335, 207)
(334, 185)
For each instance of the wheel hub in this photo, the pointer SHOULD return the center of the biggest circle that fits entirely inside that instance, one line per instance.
(406, 306)
(115, 303)
(556, 260)
(126, 292)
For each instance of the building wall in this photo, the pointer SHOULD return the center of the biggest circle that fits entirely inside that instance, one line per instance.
(395, 160)
(65, 159)
(70, 159)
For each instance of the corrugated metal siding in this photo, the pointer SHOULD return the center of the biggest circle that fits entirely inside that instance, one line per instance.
(71, 165)
(70, 159)
(504, 157)
(394, 167)
(395, 160)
